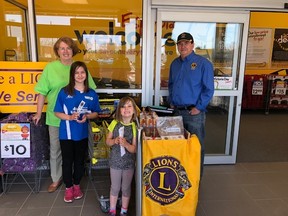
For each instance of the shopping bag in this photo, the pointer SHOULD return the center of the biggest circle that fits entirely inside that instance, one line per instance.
(171, 175)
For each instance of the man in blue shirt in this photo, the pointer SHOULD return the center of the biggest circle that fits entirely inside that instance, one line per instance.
(191, 87)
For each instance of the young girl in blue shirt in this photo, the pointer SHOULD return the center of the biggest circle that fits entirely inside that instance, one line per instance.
(75, 104)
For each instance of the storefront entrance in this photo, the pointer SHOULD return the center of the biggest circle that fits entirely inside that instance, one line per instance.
(220, 36)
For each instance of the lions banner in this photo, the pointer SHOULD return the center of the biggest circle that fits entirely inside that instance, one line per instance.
(171, 175)
(17, 80)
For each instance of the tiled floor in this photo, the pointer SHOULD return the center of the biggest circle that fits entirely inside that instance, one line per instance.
(243, 189)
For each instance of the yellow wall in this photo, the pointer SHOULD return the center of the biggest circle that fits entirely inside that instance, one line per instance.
(267, 20)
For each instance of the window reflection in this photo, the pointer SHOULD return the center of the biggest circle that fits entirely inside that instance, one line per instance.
(15, 46)
(109, 40)
(217, 42)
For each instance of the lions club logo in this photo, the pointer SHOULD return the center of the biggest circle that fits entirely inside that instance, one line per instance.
(165, 180)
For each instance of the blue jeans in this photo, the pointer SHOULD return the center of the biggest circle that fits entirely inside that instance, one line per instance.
(195, 124)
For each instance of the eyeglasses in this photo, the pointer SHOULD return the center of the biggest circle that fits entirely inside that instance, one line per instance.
(62, 49)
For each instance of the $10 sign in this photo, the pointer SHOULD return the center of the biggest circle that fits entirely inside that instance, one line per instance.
(15, 140)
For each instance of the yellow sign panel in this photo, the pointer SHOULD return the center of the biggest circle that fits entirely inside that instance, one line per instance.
(17, 81)
(11, 127)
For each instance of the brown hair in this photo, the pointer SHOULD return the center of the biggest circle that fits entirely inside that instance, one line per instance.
(69, 89)
(69, 41)
(122, 102)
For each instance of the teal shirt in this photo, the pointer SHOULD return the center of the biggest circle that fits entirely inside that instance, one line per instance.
(54, 77)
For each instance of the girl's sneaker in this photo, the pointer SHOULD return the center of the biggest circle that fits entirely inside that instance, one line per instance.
(77, 192)
(69, 195)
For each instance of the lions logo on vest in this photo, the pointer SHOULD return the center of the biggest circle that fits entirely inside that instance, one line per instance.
(165, 180)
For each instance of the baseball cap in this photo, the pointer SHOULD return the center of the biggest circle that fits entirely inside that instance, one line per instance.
(185, 36)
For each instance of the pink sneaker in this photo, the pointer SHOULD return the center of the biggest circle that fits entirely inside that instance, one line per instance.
(69, 197)
(77, 192)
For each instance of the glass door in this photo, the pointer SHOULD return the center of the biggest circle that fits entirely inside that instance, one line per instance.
(14, 42)
(221, 37)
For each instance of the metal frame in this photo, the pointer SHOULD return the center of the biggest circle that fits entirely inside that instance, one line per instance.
(191, 14)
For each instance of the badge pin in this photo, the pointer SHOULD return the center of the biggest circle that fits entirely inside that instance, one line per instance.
(193, 66)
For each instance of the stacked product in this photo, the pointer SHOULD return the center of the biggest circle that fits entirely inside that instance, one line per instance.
(164, 127)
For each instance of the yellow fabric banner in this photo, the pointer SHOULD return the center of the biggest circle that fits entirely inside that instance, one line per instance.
(171, 175)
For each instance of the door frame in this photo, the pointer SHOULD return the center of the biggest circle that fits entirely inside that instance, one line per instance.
(159, 14)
